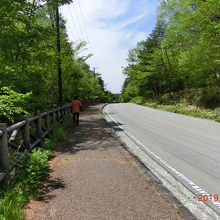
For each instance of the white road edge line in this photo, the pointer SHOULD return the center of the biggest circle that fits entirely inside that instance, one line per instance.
(156, 158)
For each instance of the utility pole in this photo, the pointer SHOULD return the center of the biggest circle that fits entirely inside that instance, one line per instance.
(106, 86)
(94, 70)
(60, 84)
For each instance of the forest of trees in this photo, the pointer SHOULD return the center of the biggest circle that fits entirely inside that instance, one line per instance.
(180, 58)
(28, 60)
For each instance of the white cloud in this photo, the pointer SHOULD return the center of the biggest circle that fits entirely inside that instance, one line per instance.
(112, 9)
(110, 40)
(132, 20)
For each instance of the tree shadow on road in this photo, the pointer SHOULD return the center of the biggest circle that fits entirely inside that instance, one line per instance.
(48, 187)
(116, 126)
(93, 133)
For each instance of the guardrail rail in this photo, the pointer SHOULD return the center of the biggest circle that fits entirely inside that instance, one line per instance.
(19, 139)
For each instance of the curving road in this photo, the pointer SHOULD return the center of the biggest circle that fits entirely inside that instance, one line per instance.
(190, 145)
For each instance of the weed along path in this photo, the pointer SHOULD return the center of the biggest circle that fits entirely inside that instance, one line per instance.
(94, 177)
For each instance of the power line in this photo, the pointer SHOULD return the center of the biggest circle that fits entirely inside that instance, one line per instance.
(78, 21)
(87, 36)
(72, 34)
(85, 28)
(77, 33)
(78, 10)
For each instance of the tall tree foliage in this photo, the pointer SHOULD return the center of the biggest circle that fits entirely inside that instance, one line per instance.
(28, 57)
(182, 51)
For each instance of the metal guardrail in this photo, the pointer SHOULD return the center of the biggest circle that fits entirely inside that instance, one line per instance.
(32, 131)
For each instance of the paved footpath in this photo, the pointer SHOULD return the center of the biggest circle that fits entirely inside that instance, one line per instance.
(94, 177)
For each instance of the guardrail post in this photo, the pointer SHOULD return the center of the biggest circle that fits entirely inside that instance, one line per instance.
(61, 113)
(64, 112)
(58, 115)
(4, 161)
(39, 127)
(48, 121)
(53, 117)
(26, 133)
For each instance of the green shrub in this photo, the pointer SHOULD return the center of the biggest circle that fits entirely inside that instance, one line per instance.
(27, 177)
(138, 100)
(36, 167)
(67, 122)
(57, 134)
(166, 99)
(12, 104)
(202, 113)
(210, 97)
(191, 96)
(10, 205)
(49, 144)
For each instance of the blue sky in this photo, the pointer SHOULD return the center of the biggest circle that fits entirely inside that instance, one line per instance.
(111, 28)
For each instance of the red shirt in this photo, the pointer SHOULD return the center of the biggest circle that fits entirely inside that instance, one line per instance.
(75, 106)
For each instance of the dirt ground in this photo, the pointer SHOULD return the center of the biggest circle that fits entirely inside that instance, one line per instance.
(94, 177)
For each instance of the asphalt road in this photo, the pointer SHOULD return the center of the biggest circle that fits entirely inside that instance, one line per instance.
(190, 145)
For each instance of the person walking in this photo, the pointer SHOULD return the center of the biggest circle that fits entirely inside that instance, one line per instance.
(76, 107)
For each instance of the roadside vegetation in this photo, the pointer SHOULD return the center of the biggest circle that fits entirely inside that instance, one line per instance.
(180, 108)
(177, 68)
(29, 85)
(26, 179)
(28, 61)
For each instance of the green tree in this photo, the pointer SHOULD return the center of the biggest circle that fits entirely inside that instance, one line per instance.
(181, 53)
(28, 55)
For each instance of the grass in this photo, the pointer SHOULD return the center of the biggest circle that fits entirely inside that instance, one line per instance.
(187, 110)
(196, 102)
(28, 175)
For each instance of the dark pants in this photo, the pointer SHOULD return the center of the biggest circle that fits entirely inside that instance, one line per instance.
(76, 118)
